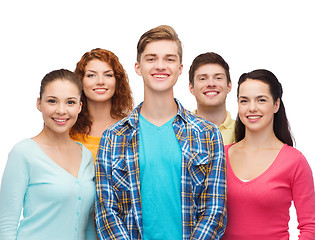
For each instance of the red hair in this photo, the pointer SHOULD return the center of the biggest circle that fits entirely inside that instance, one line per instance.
(122, 102)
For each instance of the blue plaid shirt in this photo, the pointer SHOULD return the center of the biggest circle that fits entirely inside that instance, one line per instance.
(203, 179)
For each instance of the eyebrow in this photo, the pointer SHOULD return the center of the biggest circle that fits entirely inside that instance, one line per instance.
(259, 96)
(107, 71)
(206, 74)
(54, 97)
(154, 55)
(202, 75)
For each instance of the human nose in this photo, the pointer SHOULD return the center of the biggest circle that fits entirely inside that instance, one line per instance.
(211, 82)
(100, 80)
(61, 109)
(252, 106)
(160, 64)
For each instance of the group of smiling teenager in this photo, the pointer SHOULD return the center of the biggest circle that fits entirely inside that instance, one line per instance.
(158, 171)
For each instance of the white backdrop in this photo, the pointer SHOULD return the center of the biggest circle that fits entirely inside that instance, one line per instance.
(40, 36)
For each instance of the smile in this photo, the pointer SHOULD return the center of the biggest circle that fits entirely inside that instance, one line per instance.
(211, 93)
(60, 121)
(253, 118)
(160, 76)
(100, 90)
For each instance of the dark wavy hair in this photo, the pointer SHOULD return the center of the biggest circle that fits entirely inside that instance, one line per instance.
(122, 101)
(281, 126)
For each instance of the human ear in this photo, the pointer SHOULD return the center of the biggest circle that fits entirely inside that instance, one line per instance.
(191, 88)
(137, 68)
(80, 107)
(277, 105)
(229, 87)
(38, 104)
(181, 69)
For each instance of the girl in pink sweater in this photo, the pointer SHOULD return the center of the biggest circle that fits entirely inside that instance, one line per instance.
(264, 172)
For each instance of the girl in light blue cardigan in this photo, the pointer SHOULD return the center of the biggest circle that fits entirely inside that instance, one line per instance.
(49, 178)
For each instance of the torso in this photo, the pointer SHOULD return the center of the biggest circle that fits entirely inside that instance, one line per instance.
(51, 197)
(259, 208)
(68, 157)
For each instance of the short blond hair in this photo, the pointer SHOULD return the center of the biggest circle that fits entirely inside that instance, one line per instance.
(163, 32)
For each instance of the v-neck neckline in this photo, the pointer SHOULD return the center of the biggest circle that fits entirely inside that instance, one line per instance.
(155, 127)
(57, 165)
(257, 177)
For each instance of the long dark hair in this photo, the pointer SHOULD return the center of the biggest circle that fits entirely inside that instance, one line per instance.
(281, 126)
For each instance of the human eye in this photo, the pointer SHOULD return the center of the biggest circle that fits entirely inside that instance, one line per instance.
(71, 102)
(51, 101)
(150, 59)
(220, 76)
(243, 101)
(170, 59)
(109, 75)
(90, 75)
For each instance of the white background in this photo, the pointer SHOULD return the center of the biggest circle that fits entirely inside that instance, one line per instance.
(40, 36)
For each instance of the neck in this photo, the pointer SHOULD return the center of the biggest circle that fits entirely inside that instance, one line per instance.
(100, 117)
(158, 109)
(216, 115)
(261, 140)
(50, 138)
(99, 110)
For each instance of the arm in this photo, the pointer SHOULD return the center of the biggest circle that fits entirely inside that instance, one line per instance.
(304, 199)
(211, 204)
(109, 225)
(13, 187)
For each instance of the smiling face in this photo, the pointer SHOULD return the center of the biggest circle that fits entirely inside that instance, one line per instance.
(60, 105)
(210, 86)
(256, 106)
(99, 81)
(159, 66)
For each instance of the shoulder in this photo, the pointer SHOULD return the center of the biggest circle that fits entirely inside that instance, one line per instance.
(24, 146)
(22, 154)
(120, 129)
(199, 124)
(125, 126)
(291, 153)
(297, 167)
(292, 159)
(120, 132)
(227, 147)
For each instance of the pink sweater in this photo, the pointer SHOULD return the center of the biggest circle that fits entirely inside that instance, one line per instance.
(259, 209)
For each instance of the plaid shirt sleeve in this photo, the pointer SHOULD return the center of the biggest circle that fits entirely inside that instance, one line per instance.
(211, 203)
(107, 208)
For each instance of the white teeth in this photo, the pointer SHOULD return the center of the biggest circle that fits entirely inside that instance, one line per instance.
(159, 76)
(60, 120)
(253, 117)
(100, 90)
(211, 93)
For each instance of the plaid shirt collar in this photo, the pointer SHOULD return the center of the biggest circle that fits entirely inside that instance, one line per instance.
(133, 118)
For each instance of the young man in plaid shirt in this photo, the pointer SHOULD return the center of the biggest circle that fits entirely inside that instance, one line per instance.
(161, 171)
